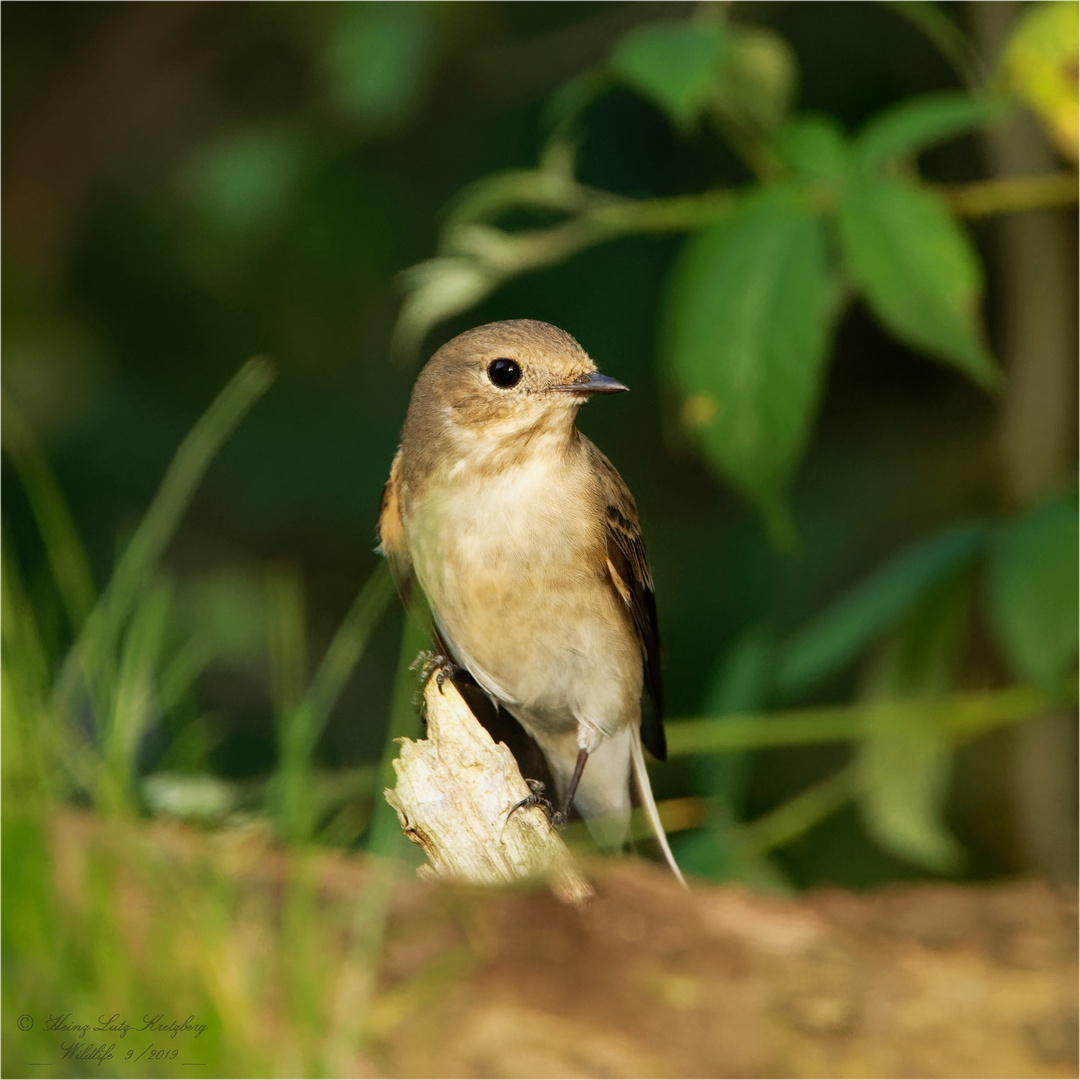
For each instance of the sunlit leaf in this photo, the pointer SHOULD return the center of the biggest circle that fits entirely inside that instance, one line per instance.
(919, 272)
(841, 632)
(674, 64)
(438, 289)
(1032, 591)
(747, 338)
(1040, 64)
(920, 122)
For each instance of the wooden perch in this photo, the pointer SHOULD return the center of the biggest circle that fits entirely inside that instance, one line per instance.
(454, 796)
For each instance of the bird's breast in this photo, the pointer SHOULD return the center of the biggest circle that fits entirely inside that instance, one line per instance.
(512, 563)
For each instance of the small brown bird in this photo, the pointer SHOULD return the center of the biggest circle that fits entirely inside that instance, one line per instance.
(528, 547)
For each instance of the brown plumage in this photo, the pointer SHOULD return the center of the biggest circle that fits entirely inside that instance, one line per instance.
(528, 546)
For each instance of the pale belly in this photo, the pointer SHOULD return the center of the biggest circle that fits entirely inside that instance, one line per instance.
(521, 594)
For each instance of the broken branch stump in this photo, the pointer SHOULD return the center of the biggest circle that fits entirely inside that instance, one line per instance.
(454, 795)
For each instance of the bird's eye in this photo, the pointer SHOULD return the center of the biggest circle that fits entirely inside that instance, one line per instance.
(504, 373)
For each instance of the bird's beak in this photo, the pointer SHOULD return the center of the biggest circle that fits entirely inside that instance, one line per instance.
(590, 383)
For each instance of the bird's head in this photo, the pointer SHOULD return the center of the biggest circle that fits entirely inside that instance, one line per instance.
(503, 383)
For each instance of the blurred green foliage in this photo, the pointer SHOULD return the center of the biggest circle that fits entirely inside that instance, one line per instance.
(748, 213)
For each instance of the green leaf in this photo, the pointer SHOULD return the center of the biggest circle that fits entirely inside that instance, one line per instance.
(814, 146)
(865, 612)
(756, 83)
(574, 97)
(674, 64)
(245, 181)
(747, 339)
(919, 122)
(1032, 591)
(377, 60)
(903, 774)
(904, 763)
(919, 272)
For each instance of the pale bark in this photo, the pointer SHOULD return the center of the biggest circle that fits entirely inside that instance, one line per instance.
(456, 795)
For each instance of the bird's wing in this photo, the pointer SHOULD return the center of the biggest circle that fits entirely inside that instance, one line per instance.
(631, 578)
(392, 542)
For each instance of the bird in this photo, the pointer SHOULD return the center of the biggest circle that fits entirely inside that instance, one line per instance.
(527, 544)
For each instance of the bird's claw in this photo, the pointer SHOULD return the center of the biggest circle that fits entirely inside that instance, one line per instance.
(434, 663)
(556, 818)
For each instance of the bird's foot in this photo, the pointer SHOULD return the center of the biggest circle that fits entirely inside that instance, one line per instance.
(556, 818)
(429, 662)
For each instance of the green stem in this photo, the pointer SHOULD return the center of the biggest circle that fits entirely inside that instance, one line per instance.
(960, 715)
(1011, 194)
(799, 815)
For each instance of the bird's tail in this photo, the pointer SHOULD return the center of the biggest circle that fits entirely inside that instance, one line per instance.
(641, 775)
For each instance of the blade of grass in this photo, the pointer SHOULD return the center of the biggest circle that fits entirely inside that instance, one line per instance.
(301, 725)
(350, 1005)
(291, 794)
(385, 838)
(949, 40)
(27, 769)
(101, 631)
(46, 754)
(135, 703)
(348, 646)
(63, 547)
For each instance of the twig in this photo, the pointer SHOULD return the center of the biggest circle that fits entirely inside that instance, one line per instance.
(1011, 194)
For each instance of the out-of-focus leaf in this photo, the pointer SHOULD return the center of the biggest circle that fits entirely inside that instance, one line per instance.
(814, 146)
(904, 780)
(756, 84)
(904, 762)
(919, 122)
(921, 658)
(574, 96)
(438, 289)
(747, 338)
(1040, 64)
(245, 181)
(742, 681)
(1032, 591)
(919, 272)
(201, 796)
(674, 64)
(377, 60)
(864, 613)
